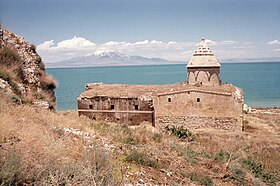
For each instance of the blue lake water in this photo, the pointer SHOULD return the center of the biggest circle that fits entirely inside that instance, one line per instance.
(260, 81)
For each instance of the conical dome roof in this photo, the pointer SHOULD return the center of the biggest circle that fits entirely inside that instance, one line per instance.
(203, 57)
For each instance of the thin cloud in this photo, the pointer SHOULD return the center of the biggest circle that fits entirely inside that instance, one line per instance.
(228, 42)
(274, 42)
(208, 41)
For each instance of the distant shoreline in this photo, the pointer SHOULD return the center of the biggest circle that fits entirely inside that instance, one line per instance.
(139, 65)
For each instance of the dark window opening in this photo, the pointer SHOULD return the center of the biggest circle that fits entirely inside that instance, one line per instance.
(198, 99)
(130, 119)
(90, 107)
(118, 119)
(136, 107)
(169, 99)
(146, 120)
(112, 107)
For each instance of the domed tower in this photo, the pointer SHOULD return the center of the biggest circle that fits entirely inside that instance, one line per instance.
(203, 67)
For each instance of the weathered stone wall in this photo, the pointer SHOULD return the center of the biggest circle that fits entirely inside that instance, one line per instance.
(132, 111)
(199, 104)
(130, 118)
(195, 122)
(204, 75)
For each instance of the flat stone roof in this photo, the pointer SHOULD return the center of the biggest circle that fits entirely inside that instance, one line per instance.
(146, 91)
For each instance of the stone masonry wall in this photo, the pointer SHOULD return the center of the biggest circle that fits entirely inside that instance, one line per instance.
(199, 108)
(195, 122)
(204, 76)
(131, 111)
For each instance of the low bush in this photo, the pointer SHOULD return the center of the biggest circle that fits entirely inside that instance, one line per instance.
(200, 178)
(48, 82)
(157, 137)
(130, 140)
(16, 99)
(238, 175)
(222, 156)
(140, 158)
(180, 132)
(259, 171)
(9, 57)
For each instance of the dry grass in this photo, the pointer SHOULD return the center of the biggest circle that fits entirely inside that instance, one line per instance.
(46, 154)
(35, 149)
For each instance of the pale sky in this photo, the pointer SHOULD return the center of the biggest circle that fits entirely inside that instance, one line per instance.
(169, 29)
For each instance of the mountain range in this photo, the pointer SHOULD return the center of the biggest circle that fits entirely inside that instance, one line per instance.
(109, 58)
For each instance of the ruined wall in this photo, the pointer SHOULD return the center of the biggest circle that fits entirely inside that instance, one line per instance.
(204, 75)
(184, 107)
(132, 111)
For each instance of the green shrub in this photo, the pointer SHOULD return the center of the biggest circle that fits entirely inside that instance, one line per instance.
(15, 88)
(180, 132)
(130, 140)
(191, 155)
(101, 127)
(238, 175)
(222, 156)
(259, 171)
(140, 158)
(200, 178)
(38, 96)
(16, 99)
(157, 137)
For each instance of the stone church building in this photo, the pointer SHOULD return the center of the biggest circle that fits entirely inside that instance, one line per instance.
(200, 102)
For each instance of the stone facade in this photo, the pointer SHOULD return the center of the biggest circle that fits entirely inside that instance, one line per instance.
(202, 102)
(132, 111)
(198, 122)
(160, 105)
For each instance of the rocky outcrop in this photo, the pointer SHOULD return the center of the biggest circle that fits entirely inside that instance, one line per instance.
(26, 76)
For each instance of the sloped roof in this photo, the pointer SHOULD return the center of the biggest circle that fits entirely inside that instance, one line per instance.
(203, 57)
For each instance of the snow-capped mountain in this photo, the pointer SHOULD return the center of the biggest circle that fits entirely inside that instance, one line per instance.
(108, 58)
(110, 54)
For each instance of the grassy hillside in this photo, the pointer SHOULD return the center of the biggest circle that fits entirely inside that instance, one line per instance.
(45, 148)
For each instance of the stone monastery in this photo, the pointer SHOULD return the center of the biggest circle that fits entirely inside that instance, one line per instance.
(203, 101)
